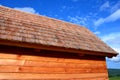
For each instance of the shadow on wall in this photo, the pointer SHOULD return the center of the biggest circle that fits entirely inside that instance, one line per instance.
(45, 53)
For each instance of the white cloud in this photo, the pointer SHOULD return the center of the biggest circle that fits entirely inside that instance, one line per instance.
(107, 6)
(64, 8)
(111, 36)
(117, 58)
(113, 40)
(97, 32)
(104, 6)
(27, 9)
(78, 20)
(99, 22)
(113, 17)
(115, 7)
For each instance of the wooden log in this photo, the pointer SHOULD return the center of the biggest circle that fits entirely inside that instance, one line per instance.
(50, 69)
(11, 62)
(53, 76)
(51, 59)
(84, 64)
(26, 57)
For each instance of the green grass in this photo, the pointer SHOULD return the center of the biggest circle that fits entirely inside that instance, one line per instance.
(114, 78)
(114, 74)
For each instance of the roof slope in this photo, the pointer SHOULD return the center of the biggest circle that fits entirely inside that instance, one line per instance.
(25, 27)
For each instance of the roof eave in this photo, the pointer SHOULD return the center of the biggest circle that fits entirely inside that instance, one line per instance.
(55, 48)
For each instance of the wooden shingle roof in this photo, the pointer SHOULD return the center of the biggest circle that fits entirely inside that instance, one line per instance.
(21, 27)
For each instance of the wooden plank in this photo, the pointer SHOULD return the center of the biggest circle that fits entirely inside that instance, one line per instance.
(11, 62)
(51, 76)
(31, 69)
(95, 78)
(8, 56)
(84, 60)
(41, 70)
(64, 65)
(38, 58)
(26, 57)
(84, 64)
(9, 69)
(86, 70)
(45, 64)
(41, 58)
(103, 78)
(50, 70)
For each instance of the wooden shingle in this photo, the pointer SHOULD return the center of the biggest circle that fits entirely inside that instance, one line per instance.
(17, 26)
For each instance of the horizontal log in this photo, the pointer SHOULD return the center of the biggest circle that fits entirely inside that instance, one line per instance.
(87, 64)
(20, 69)
(8, 56)
(9, 69)
(97, 78)
(86, 70)
(45, 64)
(64, 64)
(11, 62)
(50, 70)
(50, 59)
(26, 57)
(52, 76)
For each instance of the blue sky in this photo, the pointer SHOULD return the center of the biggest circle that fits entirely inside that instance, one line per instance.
(102, 17)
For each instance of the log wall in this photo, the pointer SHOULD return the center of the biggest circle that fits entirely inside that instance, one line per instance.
(22, 63)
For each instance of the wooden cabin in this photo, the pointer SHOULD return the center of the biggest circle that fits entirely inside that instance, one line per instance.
(35, 47)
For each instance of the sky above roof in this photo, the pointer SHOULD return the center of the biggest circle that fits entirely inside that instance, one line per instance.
(102, 17)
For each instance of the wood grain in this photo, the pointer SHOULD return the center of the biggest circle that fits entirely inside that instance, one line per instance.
(50, 70)
(52, 76)
(11, 62)
(21, 64)
(53, 59)
(84, 64)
